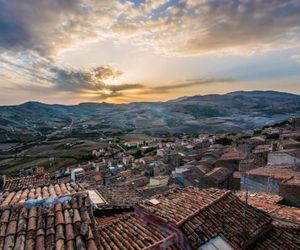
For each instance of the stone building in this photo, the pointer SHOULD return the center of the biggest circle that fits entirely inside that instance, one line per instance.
(290, 191)
(231, 160)
(284, 157)
(268, 179)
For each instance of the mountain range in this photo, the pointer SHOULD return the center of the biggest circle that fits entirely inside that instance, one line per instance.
(230, 112)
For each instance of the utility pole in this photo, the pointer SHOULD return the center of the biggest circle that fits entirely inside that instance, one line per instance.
(246, 203)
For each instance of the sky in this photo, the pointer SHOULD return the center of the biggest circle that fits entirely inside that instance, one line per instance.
(120, 51)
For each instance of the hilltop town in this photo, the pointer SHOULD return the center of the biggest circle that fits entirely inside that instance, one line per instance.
(149, 125)
(205, 191)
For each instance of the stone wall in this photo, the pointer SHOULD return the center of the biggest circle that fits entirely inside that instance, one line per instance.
(275, 158)
(256, 183)
(291, 194)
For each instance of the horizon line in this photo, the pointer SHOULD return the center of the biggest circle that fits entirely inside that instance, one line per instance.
(139, 102)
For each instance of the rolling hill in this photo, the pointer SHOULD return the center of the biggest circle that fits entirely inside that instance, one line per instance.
(208, 113)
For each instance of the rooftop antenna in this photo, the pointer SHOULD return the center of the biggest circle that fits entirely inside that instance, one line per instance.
(246, 201)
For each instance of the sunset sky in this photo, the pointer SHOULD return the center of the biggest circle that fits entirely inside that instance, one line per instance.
(72, 51)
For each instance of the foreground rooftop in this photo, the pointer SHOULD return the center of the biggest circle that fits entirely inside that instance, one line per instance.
(202, 214)
(187, 218)
(67, 224)
(38, 193)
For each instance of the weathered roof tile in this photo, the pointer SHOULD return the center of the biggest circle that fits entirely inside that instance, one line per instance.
(45, 191)
(48, 226)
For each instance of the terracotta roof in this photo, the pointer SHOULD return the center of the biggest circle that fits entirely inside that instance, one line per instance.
(129, 232)
(17, 183)
(119, 196)
(226, 218)
(106, 220)
(262, 149)
(289, 142)
(280, 237)
(40, 171)
(233, 155)
(270, 204)
(149, 191)
(42, 192)
(275, 171)
(193, 174)
(96, 176)
(204, 167)
(291, 152)
(66, 225)
(258, 138)
(260, 196)
(206, 213)
(295, 181)
(219, 174)
(178, 204)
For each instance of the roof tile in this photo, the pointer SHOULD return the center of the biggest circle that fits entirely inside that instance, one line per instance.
(48, 226)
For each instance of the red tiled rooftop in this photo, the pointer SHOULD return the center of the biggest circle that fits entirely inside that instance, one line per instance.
(270, 204)
(219, 174)
(291, 152)
(233, 155)
(96, 176)
(67, 225)
(178, 204)
(129, 232)
(280, 237)
(203, 214)
(275, 171)
(119, 196)
(226, 218)
(295, 181)
(42, 192)
(260, 196)
(17, 183)
(107, 220)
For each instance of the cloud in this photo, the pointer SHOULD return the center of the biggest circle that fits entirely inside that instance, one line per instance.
(46, 77)
(167, 88)
(92, 79)
(34, 32)
(47, 27)
(191, 83)
(176, 27)
(42, 75)
(196, 27)
(244, 26)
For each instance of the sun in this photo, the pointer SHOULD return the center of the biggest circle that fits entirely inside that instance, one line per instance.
(107, 91)
(117, 80)
(112, 81)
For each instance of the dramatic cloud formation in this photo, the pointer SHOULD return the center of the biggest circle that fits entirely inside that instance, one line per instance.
(33, 33)
(43, 26)
(82, 80)
(199, 26)
(43, 76)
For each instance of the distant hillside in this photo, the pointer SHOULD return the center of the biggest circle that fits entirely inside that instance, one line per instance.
(230, 112)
